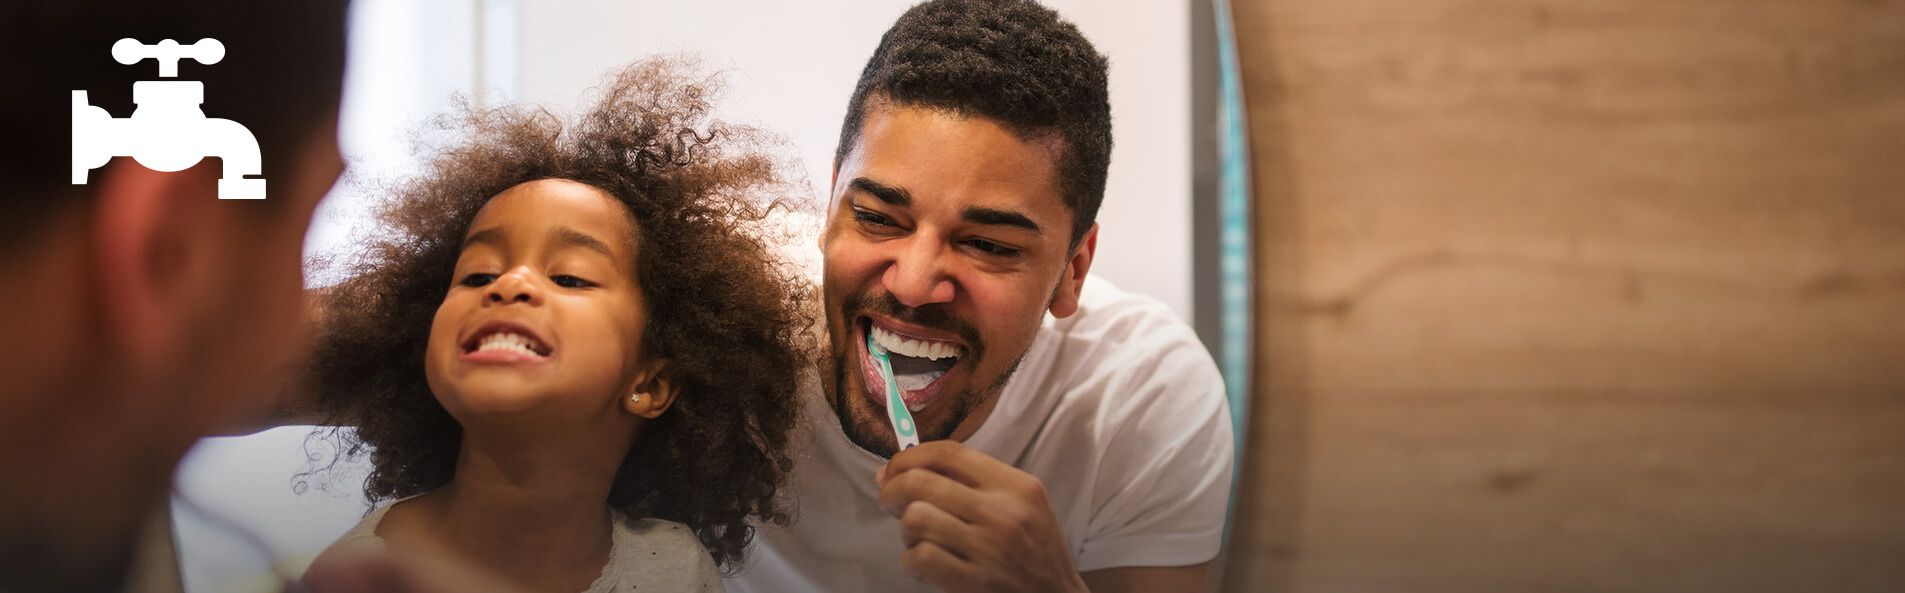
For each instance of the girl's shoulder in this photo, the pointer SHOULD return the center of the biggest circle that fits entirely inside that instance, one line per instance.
(663, 554)
(363, 536)
(361, 539)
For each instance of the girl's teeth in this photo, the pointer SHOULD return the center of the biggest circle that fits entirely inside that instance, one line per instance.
(507, 341)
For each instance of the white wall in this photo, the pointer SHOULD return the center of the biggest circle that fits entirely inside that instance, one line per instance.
(1144, 231)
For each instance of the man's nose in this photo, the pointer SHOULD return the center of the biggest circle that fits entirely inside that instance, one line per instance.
(515, 286)
(918, 276)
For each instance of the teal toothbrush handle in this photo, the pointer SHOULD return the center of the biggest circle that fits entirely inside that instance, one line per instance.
(903, 429)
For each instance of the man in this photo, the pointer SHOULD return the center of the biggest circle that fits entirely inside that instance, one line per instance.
(144, 312)
(1076, 437)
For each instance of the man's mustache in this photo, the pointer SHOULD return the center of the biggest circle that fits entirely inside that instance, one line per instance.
(935, 316)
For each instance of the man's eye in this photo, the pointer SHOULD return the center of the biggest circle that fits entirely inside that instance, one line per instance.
(872, 218)
(477, 280)
(567, 281)
(990, 248)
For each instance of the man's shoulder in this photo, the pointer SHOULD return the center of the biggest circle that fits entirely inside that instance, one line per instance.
(1137, 435)
(1119, 333)
(1102, 302)
(1126, 365)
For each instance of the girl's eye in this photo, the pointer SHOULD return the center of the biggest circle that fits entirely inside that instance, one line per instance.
(991, 248)
(477, 280)
(567, 281)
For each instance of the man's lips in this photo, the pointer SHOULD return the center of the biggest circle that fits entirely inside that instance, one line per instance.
(916, 399)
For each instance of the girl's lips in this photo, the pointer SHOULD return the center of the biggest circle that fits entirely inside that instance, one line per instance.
(501, 357)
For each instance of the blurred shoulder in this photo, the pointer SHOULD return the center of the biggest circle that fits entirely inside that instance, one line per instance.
(662, 555)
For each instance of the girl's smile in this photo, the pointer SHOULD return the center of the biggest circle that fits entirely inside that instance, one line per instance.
(503, 342)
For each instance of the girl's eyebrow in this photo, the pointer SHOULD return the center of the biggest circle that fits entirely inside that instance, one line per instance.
(572, 237)
(565, 235)
(490, 236)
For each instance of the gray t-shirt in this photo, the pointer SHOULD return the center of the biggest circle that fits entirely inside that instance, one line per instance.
(647, 555)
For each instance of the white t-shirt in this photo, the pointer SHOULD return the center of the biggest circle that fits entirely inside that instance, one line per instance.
(1118, 410)
(646, 555)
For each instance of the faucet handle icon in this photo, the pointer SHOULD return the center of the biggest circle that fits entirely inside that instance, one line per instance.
(167, 53)
(168, 132)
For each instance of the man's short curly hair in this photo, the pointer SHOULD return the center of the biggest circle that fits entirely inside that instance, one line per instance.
(721, 306)
(1008, 60)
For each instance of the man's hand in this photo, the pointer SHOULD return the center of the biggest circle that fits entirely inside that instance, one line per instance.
(974, 523)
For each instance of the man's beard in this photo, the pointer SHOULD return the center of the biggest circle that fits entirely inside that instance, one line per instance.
(874, 434)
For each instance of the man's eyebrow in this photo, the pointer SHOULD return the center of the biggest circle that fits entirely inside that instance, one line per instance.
(891, 195)
(572, 237)
(989, 216)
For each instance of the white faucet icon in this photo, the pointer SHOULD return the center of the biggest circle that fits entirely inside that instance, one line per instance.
(168, 131)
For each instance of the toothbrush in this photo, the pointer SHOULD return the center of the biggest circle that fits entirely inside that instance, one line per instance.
(903, 429)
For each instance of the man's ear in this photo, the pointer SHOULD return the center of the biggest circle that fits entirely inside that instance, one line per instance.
(1065, 297)
(654, 390)
(153, 249)
(826, 215)
(832, 178)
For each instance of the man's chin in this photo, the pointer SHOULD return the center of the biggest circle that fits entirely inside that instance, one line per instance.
(868, 427)
(864, 424)
(873, 437)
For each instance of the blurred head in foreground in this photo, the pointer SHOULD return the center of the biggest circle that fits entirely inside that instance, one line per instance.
(145, 311)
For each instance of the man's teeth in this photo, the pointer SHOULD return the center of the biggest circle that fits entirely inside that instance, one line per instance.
(507, 341)
(902, 346)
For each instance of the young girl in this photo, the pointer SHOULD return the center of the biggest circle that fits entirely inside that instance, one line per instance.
(569, 353)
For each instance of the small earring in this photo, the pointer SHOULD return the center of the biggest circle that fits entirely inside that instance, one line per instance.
(635, 398)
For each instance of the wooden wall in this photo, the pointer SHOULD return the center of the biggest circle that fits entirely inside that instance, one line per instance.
(1582, 295)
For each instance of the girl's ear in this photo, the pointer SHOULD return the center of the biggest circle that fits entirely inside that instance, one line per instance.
(654, 390)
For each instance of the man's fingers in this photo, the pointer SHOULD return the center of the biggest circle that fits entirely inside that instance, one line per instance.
(934, 565)
(953, 459)
(925, 522)
(903, 488)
